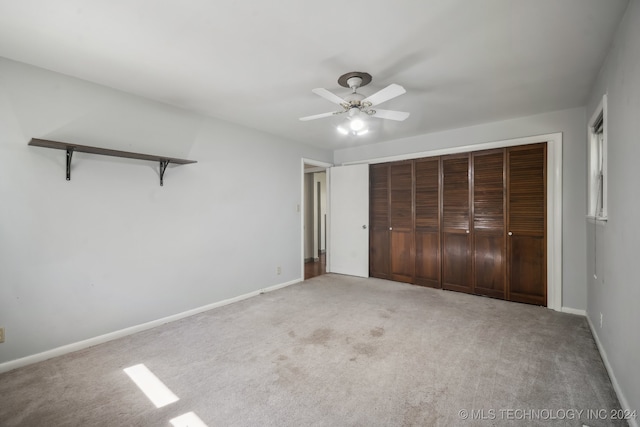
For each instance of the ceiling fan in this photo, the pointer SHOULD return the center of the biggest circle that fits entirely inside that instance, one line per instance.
(356, 106)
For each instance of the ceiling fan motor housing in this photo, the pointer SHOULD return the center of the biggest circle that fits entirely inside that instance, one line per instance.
(354, 82)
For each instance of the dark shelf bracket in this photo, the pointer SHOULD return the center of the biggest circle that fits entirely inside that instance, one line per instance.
(69, 155)
(163, 167)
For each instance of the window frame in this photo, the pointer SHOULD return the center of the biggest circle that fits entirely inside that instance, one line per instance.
(597, 208)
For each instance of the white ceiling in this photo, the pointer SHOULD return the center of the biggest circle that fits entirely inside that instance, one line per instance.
(255, 62)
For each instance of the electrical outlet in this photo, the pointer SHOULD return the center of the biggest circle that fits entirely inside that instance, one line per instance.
(601, 320)
(1, 334)
(278, 270)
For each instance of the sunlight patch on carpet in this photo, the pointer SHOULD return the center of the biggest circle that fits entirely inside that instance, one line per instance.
(189, 419)
(158, 393)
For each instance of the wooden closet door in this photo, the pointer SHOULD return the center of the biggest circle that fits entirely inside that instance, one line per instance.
(526, 241)
(456, 242)
(427, 222)
(489, 251)
(401, 228)
(379, 221)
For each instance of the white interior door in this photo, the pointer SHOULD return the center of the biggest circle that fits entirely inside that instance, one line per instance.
(348, 220)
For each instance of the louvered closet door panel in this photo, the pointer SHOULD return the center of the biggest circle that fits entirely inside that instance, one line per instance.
(526, 242)
(402, 255)
(456, 242)
(427, 222)
(489, 245)
(379, 221)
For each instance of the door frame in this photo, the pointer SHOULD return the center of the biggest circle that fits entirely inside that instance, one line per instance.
(554, 198)
(318, 167)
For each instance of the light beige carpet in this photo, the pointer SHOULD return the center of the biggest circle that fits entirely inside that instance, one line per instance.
(333, 351)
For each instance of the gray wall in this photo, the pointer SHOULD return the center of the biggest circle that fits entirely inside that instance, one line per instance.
(572, 124)
(111, 249)
(616, 292)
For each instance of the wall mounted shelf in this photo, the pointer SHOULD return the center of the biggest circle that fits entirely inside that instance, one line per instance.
(71, 148)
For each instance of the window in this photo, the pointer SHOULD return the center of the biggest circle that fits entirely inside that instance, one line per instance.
(597, 131)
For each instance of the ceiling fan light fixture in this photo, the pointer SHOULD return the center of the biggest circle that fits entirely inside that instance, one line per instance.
(356, 124)
(355, 121)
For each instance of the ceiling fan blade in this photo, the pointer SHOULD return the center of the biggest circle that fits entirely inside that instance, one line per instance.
(385, 94)
(319, 116)
(391, 115)
(329, 96)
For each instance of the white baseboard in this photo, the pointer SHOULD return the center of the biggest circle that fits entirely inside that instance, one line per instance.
(574, 311)
(623, 401)
(80, 345)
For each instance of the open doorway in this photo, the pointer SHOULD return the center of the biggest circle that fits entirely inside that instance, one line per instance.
(314, 219)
